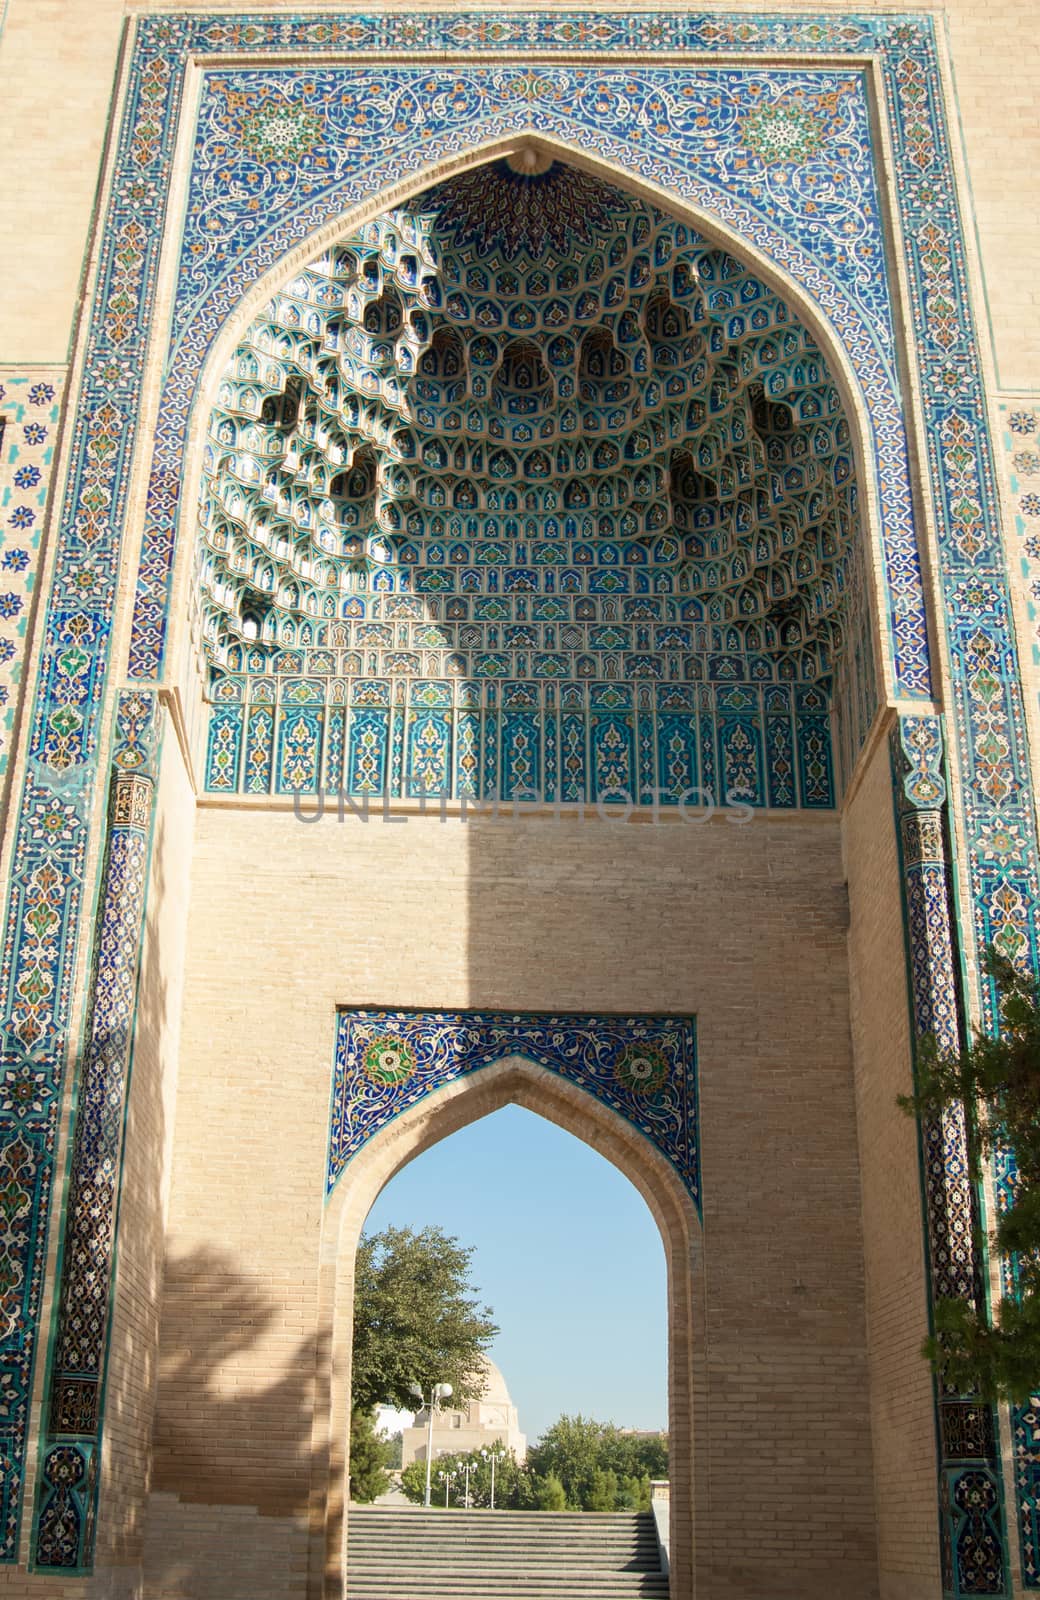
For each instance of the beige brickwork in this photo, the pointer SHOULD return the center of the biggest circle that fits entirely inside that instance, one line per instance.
(902, 1411)
(126, 1460)
(288, 921)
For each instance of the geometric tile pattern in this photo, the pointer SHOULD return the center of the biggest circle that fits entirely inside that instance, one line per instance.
(1025, 1439)
(483, 377)
(67, 1502)
(971, 1525)
(972, 1531)
(651, 743)
(852, 287)
(643, 1068)
(745, 144)
(29, 408)
(65, 1515)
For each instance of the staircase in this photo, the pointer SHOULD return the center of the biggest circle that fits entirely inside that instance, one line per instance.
(502, 1555)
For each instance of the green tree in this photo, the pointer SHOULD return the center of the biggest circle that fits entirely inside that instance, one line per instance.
(594, 1460)
(636, 1455)
(578, 1464)
(634, 1493)
(413, 1481)
(416, 1319)
(570, 1450)
(603, 1491)
(548, 1493)
(997, 1080)
(369, 1458)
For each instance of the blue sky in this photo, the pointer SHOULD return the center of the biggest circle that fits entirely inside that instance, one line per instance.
(567, 1256)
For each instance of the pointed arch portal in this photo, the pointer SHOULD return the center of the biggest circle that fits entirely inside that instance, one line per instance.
(595, 1077)
(813, 155)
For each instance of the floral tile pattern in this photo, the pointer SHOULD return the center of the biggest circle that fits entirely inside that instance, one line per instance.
(1019, 443)
(643, 1068)
(29, 408)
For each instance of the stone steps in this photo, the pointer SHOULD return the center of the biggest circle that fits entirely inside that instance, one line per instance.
(502, 1555)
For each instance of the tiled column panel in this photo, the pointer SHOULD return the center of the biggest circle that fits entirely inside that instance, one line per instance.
(970, 1494)
(64, 1534)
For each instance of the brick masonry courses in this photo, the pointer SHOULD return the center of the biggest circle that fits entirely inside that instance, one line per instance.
(561, 917)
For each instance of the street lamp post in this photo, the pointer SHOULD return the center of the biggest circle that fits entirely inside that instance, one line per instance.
(447, 1478)
(468, 1465)
(493, 1456)
(439, 1391)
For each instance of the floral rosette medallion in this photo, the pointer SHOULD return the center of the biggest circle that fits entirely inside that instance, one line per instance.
(281, 132)
(642, 1069)
(388, 1061)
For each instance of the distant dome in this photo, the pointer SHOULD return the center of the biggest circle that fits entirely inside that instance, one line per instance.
(496, 1391)
(466, 1425)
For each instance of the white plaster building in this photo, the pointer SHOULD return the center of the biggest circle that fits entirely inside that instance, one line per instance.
(493, 1418)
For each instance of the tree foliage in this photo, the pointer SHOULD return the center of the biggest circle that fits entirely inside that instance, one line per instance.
(997, 1080)
(416, 1318)
(577, 1465)
(597, 1463)
(370, 1455)
(549, 1493)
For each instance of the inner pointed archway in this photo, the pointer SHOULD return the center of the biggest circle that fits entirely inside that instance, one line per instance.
(515, 1080)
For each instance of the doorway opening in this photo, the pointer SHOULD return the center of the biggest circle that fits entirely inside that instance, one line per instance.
(568, 1260)
(518, 1083)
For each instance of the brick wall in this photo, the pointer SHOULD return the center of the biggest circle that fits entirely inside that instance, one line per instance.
(130, 1392)
(288, 921)
(902, 1413)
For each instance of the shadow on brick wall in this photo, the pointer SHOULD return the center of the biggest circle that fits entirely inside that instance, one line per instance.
(232, 1446)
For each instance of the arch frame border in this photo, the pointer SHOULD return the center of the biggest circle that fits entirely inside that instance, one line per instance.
(1003, 895)
(895, 494)
(898, 604)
